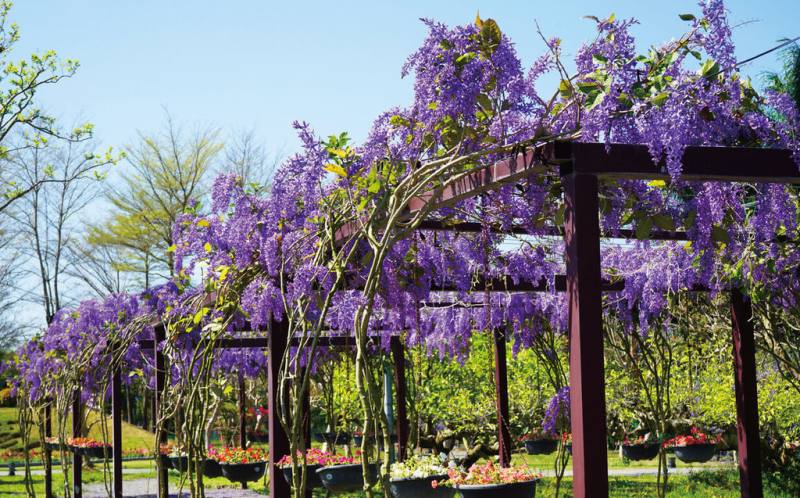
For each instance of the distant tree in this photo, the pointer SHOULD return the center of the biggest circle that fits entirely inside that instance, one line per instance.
(103, 269)
(20, 82)
(166, 178)
(10, 330)
(47, 218)
(248, 158)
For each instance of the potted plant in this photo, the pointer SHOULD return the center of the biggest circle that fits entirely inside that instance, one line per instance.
(696, 447)
(178, 459)
(315, 459)
(492, 481)
(539, 442)
(243, 464)
(345, 474)
(641, 448)
(54, 443)
(332, 438)
(414, 477)
(89, 447)
(211, 466)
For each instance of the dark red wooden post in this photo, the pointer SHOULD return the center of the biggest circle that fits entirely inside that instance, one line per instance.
(501, 395)
(307, 427)
(48, 453)
(242, 422)
(116, 423)
(278, 442)
(587, 382)
(163, 477)
(77, 460)
(307, 415)
(401, 418)
(744, 363)
(242, 408)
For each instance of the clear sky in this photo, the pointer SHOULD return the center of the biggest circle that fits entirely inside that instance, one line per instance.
(240, 64)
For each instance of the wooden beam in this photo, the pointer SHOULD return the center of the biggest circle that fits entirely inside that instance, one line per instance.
(550, 231)
(116, 428)
(278, 442)
(48, 453)
(77, 459)
(501, 398)
(744, 362)
(724, 164)
(517, 166)
(587, 383)
(401, 420)
(162, 477)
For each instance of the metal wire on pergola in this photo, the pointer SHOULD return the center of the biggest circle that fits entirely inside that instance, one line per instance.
(581, 165)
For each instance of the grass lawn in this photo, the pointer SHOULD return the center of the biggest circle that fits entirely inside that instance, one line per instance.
(133, 437)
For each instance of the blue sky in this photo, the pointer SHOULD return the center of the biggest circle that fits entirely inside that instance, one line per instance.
(245, 64)
(240, 64)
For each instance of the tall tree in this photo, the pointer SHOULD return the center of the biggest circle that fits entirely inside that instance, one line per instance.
(20, 81)
(47, 218)
(166, 179)
(10, 330)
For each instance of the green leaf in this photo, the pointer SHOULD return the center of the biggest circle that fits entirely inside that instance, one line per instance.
(463, 59)
(719, 234)
(643, 228)
(687, 17)
(664, 222)
(565, 88)
(660, 99)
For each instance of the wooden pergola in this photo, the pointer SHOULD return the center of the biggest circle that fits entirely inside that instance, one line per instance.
(582, 166)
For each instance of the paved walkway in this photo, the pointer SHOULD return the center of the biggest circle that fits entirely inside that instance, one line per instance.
(146, 488)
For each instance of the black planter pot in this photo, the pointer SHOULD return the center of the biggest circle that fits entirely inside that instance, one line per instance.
(635, 452)
(312, 479)
(258, 437)
(244, 472)
(179, 463)
(212, 468)
(98, 452)
(696, 453)
(525, 489)
(420, 488)
(332, 438)
(54, 447)
(541, 446)
(345, 478)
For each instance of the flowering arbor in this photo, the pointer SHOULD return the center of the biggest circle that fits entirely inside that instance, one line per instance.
(483, 206)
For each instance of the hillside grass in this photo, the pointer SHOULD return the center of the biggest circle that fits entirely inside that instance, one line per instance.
(133, 438)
